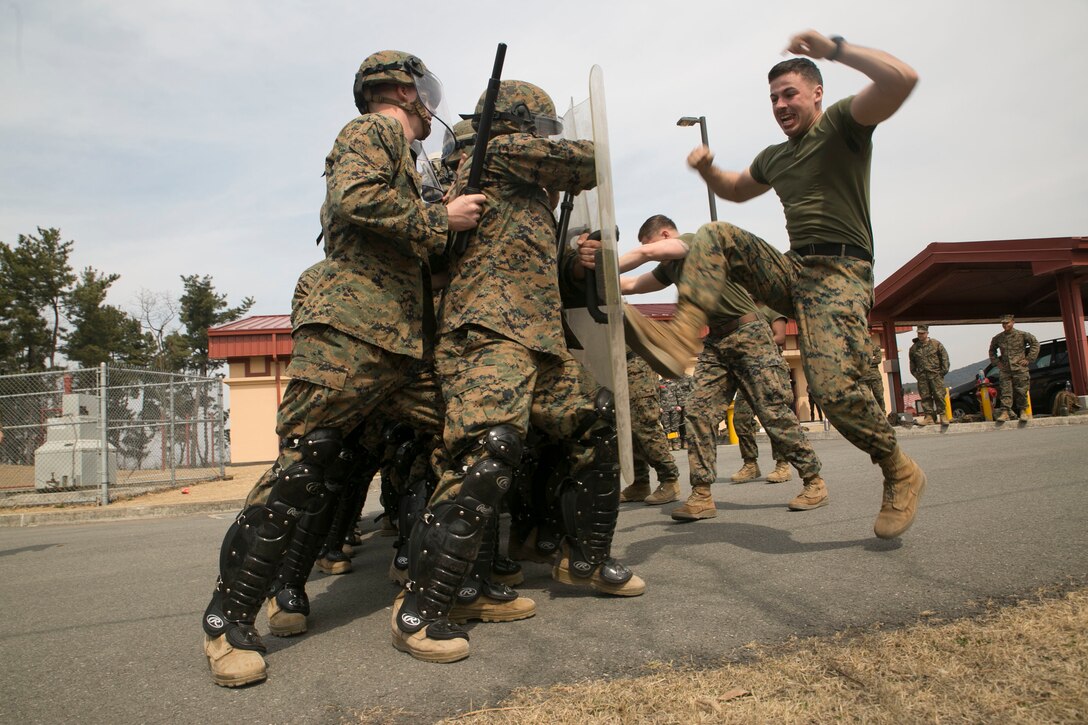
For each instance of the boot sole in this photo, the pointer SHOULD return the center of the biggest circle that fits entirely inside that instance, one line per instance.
(661, 362)
(457, 618)
(438, 658)
(744, 480)
(341, 568)
(238, 681)
(563, 576)
(808, 507)
(655, 502)
(778, 480)
(695, 517)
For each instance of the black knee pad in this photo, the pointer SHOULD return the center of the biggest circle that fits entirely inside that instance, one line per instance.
(488, 479)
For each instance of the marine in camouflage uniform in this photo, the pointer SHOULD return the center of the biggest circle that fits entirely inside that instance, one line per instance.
(873, 376)
(670, 412)
(821, 175)
(504, 365)
(1013, 351)
(929, 364)
(744, 418)
(738, 354)
(357, 342)
(650, 444)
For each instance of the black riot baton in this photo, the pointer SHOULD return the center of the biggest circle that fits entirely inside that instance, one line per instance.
(483, 135)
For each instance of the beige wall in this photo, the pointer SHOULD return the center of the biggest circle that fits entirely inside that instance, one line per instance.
(253, 403)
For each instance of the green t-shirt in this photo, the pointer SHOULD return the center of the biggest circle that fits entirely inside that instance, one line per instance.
(734, 301)
(822, 179)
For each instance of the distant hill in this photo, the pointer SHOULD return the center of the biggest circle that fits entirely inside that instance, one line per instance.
(964, 374)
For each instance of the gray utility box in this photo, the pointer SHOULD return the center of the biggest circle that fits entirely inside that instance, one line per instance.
(72, 453)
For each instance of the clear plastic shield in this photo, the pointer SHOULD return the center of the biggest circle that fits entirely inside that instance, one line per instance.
(603, 347)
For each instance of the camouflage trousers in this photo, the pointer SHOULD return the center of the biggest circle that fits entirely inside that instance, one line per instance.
(746, 360)
(651, 447)
(1014, 383)
(670, 421)
(489, 380)
(931, 393)
(338, 381)
(830, 298)
(744, 423)
(876, 384)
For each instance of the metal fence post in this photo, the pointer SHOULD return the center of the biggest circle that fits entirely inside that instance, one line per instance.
(170, 442)
(221, 420)
(103, 420)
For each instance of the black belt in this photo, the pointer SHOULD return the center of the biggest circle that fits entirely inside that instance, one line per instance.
(725, 328)
(830, 249)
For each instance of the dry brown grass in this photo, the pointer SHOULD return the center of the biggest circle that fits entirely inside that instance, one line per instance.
(1022, 663)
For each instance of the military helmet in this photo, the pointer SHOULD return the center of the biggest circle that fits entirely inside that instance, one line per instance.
(457, 139)
(520, 107)
(394, 66)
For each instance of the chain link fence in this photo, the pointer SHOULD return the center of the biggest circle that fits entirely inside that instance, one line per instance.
(96, 435)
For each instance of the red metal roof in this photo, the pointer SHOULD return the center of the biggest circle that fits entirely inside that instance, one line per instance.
(256, 336)
(256, 323)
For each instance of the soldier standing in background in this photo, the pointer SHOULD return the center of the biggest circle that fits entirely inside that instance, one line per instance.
(929, 365)
(670, 412)
(651, 446)
(874, 376)
(1013, 351)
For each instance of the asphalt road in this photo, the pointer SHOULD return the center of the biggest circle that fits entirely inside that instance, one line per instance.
(103, 619)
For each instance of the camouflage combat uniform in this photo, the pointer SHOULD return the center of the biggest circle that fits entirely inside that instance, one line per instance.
(357, 343)
(670, 415)
(682, 389)
(651, 445)
(873, 376)
(829, 289)
(501, 354)
(929, 365)
(1013, 352)
(744, 418)
(738, 354)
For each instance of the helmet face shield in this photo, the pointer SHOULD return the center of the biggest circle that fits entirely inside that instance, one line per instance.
(429, 89)
(431, 189)
(548, 126)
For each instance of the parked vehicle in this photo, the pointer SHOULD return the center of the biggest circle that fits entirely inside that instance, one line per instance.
(1049, 373)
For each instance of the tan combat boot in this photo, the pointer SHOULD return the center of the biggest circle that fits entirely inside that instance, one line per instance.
(781, 473)
(283, 623)
(748, 472)
(666, 347)
(1002, 416)
(700, 505)
(487, 609)
(812, 496)
(334, 562)
(904, 483)
(637, 491)
(632, 586)
(233, 667)
(945, 420)
(667, 492)
(424, 648)
(924, 420)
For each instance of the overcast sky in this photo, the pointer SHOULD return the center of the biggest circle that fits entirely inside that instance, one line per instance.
(188, 137)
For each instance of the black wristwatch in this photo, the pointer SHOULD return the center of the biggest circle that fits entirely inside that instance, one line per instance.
(838, 40)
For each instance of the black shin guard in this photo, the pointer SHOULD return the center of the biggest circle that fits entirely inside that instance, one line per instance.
(478, 582)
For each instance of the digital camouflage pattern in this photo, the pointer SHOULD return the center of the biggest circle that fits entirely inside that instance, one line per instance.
(506, 280)
(744, 424)
(746, 360)
(378, 234)
(670, 416)
(829, 297)
(929, 364)
(488, 380)
(873, 377)
(1013, 351)
(651, 445)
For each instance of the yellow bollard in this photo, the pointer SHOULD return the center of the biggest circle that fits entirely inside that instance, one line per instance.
(1027, 406)
(948, 403)
(733, 440)
(984, 401)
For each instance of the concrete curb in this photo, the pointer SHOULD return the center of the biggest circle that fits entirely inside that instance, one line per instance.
(107, 513)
